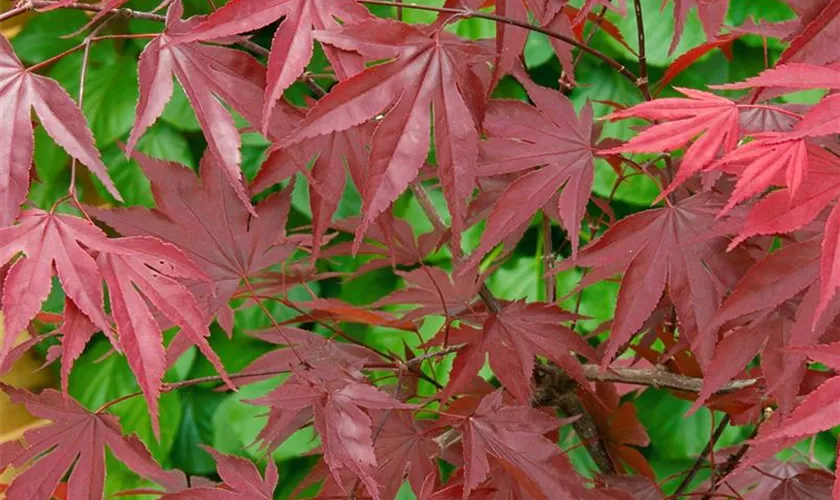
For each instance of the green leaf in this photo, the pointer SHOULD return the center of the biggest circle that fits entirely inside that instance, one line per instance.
(52, 165)
(673, 435)
(112, 375)
(95, 383)
(120, 478)
(43, 36)
(134, 418)
(518, 278)
(179, 113)
(659, 32)
(538, 50)
(162, 142)
(238, 422)
(199, 405)
(110, 89)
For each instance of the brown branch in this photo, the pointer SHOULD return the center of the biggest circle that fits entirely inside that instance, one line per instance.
(464, 13)
(643, 83)
(660, 379)
(556, 389)
(134, 14)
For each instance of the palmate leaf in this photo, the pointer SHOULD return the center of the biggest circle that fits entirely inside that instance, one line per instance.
(428, 70)
(681, 246)
(511, 339)
(292, 46)
(405, 450)
(337, 400)
(203, 216)
(74, 438)
(513, 436)
(207, 74)
(714, 119)
(550, 136)
(139, 272)
(241, 478)
(20, 92)
(51, 244)
(333, 154)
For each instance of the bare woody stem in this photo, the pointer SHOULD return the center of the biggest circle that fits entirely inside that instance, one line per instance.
(465, 13)
(134, 14)
(643, 83)
(12, 13)
(698, 464)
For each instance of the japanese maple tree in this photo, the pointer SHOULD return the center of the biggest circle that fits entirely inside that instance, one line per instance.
(372, 249)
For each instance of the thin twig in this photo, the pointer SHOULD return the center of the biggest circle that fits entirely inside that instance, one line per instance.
(12, 13)
(464, 13)
(273, 321)
(730, 464)
(698, 464)
(134, 14)
(548, 256)
(642, 82)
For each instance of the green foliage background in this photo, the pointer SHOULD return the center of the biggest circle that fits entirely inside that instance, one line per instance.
(199, 415)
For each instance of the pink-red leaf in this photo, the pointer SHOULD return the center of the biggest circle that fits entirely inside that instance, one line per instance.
(430, 71)
(203, 216)
(714, 119)
(241, 478)
(21, 91)
(74, 438)
(292, 46)
(51, 244)
(511, 339)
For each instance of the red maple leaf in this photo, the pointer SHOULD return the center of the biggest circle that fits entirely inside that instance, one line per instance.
(333, 154)
(20, 92)
(138, 271)
(52, 244)
(678, 247)
(514, 436)
(293, 42)
(813, 39)
(550, 136)
(74, 436)
(714, 119)
(510, 339)
(241, 478)
(428, 70)
(434, 292)
(618, 427)
(712, 13)
(391, 241)
(793, 76)
(405, 450)
(143, 271)
(335, 397)
(207, 74)
(302, 345)
(764, 313)
(203, 217)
